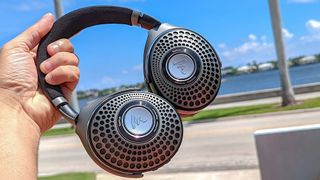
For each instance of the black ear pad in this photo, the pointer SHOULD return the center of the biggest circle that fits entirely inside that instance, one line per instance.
(184, 68)
(130, 132)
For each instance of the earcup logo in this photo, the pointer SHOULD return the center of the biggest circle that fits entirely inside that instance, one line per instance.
(136, 120)
(180, 65)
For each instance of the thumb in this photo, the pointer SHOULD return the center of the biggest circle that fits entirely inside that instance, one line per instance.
(31, 37)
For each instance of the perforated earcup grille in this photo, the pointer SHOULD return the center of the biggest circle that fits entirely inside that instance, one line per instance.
(121, 154)
(198, 93)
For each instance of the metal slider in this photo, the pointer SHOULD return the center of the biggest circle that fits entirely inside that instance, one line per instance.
(135, 18)
(65, 109)
(59, 101)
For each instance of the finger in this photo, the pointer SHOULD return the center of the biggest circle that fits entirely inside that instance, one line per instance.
(31, 37)
(63, 74)
(62, 45)
(59, 59)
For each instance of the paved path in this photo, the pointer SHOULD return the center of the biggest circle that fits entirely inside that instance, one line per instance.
(210, 147)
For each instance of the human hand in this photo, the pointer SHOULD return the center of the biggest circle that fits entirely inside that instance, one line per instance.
(19, 80)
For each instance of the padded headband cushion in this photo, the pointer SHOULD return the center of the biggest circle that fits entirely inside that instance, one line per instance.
(73, 22)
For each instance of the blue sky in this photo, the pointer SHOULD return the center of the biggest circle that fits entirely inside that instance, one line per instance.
(111, 55)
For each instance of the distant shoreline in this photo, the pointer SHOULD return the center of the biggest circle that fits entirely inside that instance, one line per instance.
(228, 81)
(258, 71)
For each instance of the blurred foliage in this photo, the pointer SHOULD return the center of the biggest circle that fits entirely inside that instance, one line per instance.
(107, 91)
(231, 71)
(224, 112)
(59, 131)
(255, 109)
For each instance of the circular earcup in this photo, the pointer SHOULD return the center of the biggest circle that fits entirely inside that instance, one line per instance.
(184, 69)
(130, 132)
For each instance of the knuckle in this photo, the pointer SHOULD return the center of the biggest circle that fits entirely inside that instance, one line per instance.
(77, 73)
(67, 44)
(61, 71)
(62, 58)
(59, 57)
(74, 75)
(69, 59)
(75, 59)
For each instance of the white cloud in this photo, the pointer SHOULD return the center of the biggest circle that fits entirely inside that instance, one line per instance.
(252, 37)
(314, 28)
(286, 34)
(263, 38)
(245, 48)
(252, 49)
(313, 25)
(261, 49)
(124, 72)
(108, 81)
(138, 67)
(302, 1)
(222, 45)
(134, 69)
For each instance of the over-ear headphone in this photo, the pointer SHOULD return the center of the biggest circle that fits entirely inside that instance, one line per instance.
(131, 132)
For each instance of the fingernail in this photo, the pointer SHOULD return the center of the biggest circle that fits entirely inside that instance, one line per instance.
(48, 14)
(47, 17)
(55, 47)
(48, 78)
(44, 20)
(47, 66)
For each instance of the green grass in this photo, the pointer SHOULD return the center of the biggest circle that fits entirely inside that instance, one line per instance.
(70, 176)
(254, 109)
(59, 131)
(225, 112)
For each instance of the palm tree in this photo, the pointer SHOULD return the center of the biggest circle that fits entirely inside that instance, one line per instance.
(287, 90)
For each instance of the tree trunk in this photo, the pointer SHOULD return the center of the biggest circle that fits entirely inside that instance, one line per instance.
(287, 91)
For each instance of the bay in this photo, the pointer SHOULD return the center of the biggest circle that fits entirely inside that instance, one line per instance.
(261, 80)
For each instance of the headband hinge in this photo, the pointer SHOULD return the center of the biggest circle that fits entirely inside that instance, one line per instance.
(135, 16)
(67, 111)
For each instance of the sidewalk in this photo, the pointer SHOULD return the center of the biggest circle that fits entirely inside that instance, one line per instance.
(252, 174)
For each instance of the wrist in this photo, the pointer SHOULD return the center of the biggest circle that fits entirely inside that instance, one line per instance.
(14, 122)
(19, 142)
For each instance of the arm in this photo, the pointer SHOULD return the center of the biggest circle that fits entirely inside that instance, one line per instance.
(25, 112)
(19, 140)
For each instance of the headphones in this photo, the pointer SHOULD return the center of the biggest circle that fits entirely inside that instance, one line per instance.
(132, 131)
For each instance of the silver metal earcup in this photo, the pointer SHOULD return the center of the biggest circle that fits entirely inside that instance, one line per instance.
(182, 67)
(130, 132)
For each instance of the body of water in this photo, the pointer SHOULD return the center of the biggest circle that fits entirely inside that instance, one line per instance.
(262, 80)
(269, 79)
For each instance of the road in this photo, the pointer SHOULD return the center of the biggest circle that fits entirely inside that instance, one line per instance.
(209, 146)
